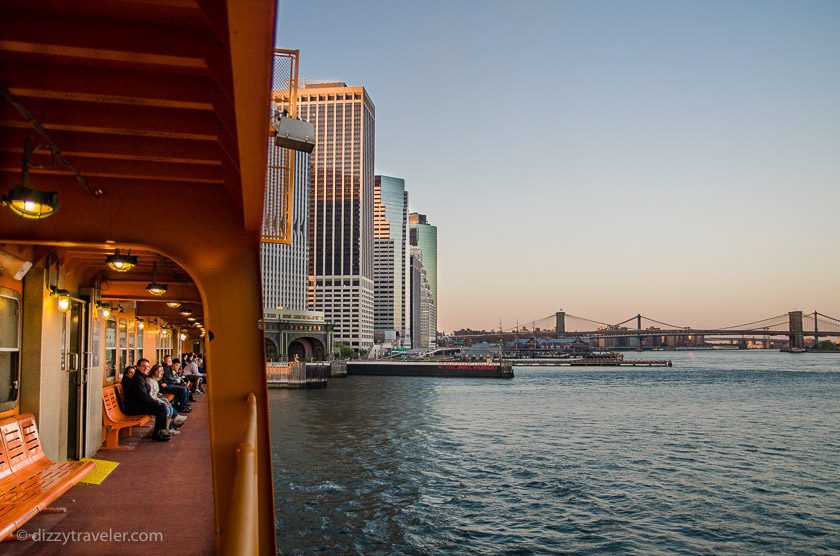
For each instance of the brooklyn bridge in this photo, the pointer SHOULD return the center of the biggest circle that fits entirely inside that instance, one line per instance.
(794, 325)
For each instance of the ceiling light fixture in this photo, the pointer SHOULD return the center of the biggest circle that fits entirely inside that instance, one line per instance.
(154, 287)
(25, 201)
(120, 262)
(173, 304)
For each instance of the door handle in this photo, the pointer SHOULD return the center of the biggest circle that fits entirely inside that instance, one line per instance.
(72, 362)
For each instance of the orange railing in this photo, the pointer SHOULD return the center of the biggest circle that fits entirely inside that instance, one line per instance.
(243, 521)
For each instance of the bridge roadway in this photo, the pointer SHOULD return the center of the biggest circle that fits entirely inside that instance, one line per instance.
(633, 333)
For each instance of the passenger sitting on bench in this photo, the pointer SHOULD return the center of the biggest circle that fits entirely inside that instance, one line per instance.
(171, 385)
(173, 420)
(139, 401)
(192, 375)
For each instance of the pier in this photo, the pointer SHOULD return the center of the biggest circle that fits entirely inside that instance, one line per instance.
(592, 362)
(443, 369)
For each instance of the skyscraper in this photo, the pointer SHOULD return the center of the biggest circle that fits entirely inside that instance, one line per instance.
(284, 267)
(424, 235)
(341, 208)
(423, 312)
(390, 260)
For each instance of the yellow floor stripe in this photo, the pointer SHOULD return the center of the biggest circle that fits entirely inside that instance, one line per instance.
(100, 472)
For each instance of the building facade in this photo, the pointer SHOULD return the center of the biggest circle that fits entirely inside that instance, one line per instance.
(341, 209)
(424, 236)
(423, 310)
(390, 261)
(285, 268)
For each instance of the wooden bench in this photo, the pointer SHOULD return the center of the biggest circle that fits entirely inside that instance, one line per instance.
(114, 420)
(29, 482)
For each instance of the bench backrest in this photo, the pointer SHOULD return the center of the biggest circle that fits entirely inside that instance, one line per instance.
(20, 445)
(31, 439)
(110, 404)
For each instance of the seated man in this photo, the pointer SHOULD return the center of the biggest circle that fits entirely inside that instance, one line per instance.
(139, 401)
(193, 375)
(171, 384)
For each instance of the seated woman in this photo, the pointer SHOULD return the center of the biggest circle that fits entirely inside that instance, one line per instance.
(173, 420)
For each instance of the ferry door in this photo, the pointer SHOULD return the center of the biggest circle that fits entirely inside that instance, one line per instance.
(76, 371)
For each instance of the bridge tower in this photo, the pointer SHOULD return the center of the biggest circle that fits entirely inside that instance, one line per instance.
(797, 337)
(639, 329)
(560, 322)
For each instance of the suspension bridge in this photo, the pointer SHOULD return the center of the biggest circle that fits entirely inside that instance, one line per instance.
(794, 325)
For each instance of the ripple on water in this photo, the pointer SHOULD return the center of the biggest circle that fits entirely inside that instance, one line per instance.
(724, 452)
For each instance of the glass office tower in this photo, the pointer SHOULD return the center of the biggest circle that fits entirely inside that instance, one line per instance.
(424, 235)
(390, 261)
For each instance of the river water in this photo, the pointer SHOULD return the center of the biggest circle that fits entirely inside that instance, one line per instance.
(725, 452)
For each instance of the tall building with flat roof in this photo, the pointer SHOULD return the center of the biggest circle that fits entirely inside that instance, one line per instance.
(341, 208)
(423, 311)
(390, 260)
(424, 235)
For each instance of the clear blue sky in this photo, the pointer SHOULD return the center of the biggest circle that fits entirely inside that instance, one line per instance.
(679, 159)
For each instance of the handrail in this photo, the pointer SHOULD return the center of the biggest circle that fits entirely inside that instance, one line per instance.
(242, 531)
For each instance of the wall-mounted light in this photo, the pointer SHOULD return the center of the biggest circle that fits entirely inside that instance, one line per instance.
(105, 310)
(173, 304)
(25, 201)
(140, 324)
(154, 287)
(182, 336)
(164, 332)
(62, 299)
(120, 262)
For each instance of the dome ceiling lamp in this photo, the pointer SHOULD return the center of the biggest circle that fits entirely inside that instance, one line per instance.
(120, 262)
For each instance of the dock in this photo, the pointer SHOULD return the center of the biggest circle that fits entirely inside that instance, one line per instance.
(441, 369)
(592, 362)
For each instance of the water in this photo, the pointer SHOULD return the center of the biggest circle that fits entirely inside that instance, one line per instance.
(726, 452)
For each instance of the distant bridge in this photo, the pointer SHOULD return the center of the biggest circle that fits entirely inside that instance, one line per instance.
(794, 324)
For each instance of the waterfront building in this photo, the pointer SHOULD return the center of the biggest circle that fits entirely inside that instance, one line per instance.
(290, 334)
(341, 208)
(424, 236)
(390, 261)
(285, 268)
(423, 309)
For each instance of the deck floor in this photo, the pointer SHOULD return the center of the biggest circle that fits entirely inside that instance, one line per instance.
(158, 487)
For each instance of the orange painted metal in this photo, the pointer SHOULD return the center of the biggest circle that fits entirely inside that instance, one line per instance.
(29, 481)
(210, 228)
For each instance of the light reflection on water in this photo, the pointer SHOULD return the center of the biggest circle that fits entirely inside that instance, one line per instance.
(724, 452)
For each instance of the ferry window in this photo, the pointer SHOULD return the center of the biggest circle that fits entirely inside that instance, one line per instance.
(123, 347)
(139, 353)
(131, 355)
(110, 349)
(9, 349)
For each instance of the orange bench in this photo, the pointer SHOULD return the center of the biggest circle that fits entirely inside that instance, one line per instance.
(29, 482)
(114, 420)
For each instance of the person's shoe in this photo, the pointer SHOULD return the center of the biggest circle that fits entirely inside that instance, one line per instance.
(177, 425)
(184, 410)
(161, 438)
(181, 418)
(192, 399)
(163, 432)
(173, 432)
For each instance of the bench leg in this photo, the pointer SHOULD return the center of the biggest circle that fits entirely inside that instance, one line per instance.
(112, 441)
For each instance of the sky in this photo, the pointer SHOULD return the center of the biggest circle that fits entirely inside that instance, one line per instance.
(677, 159)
